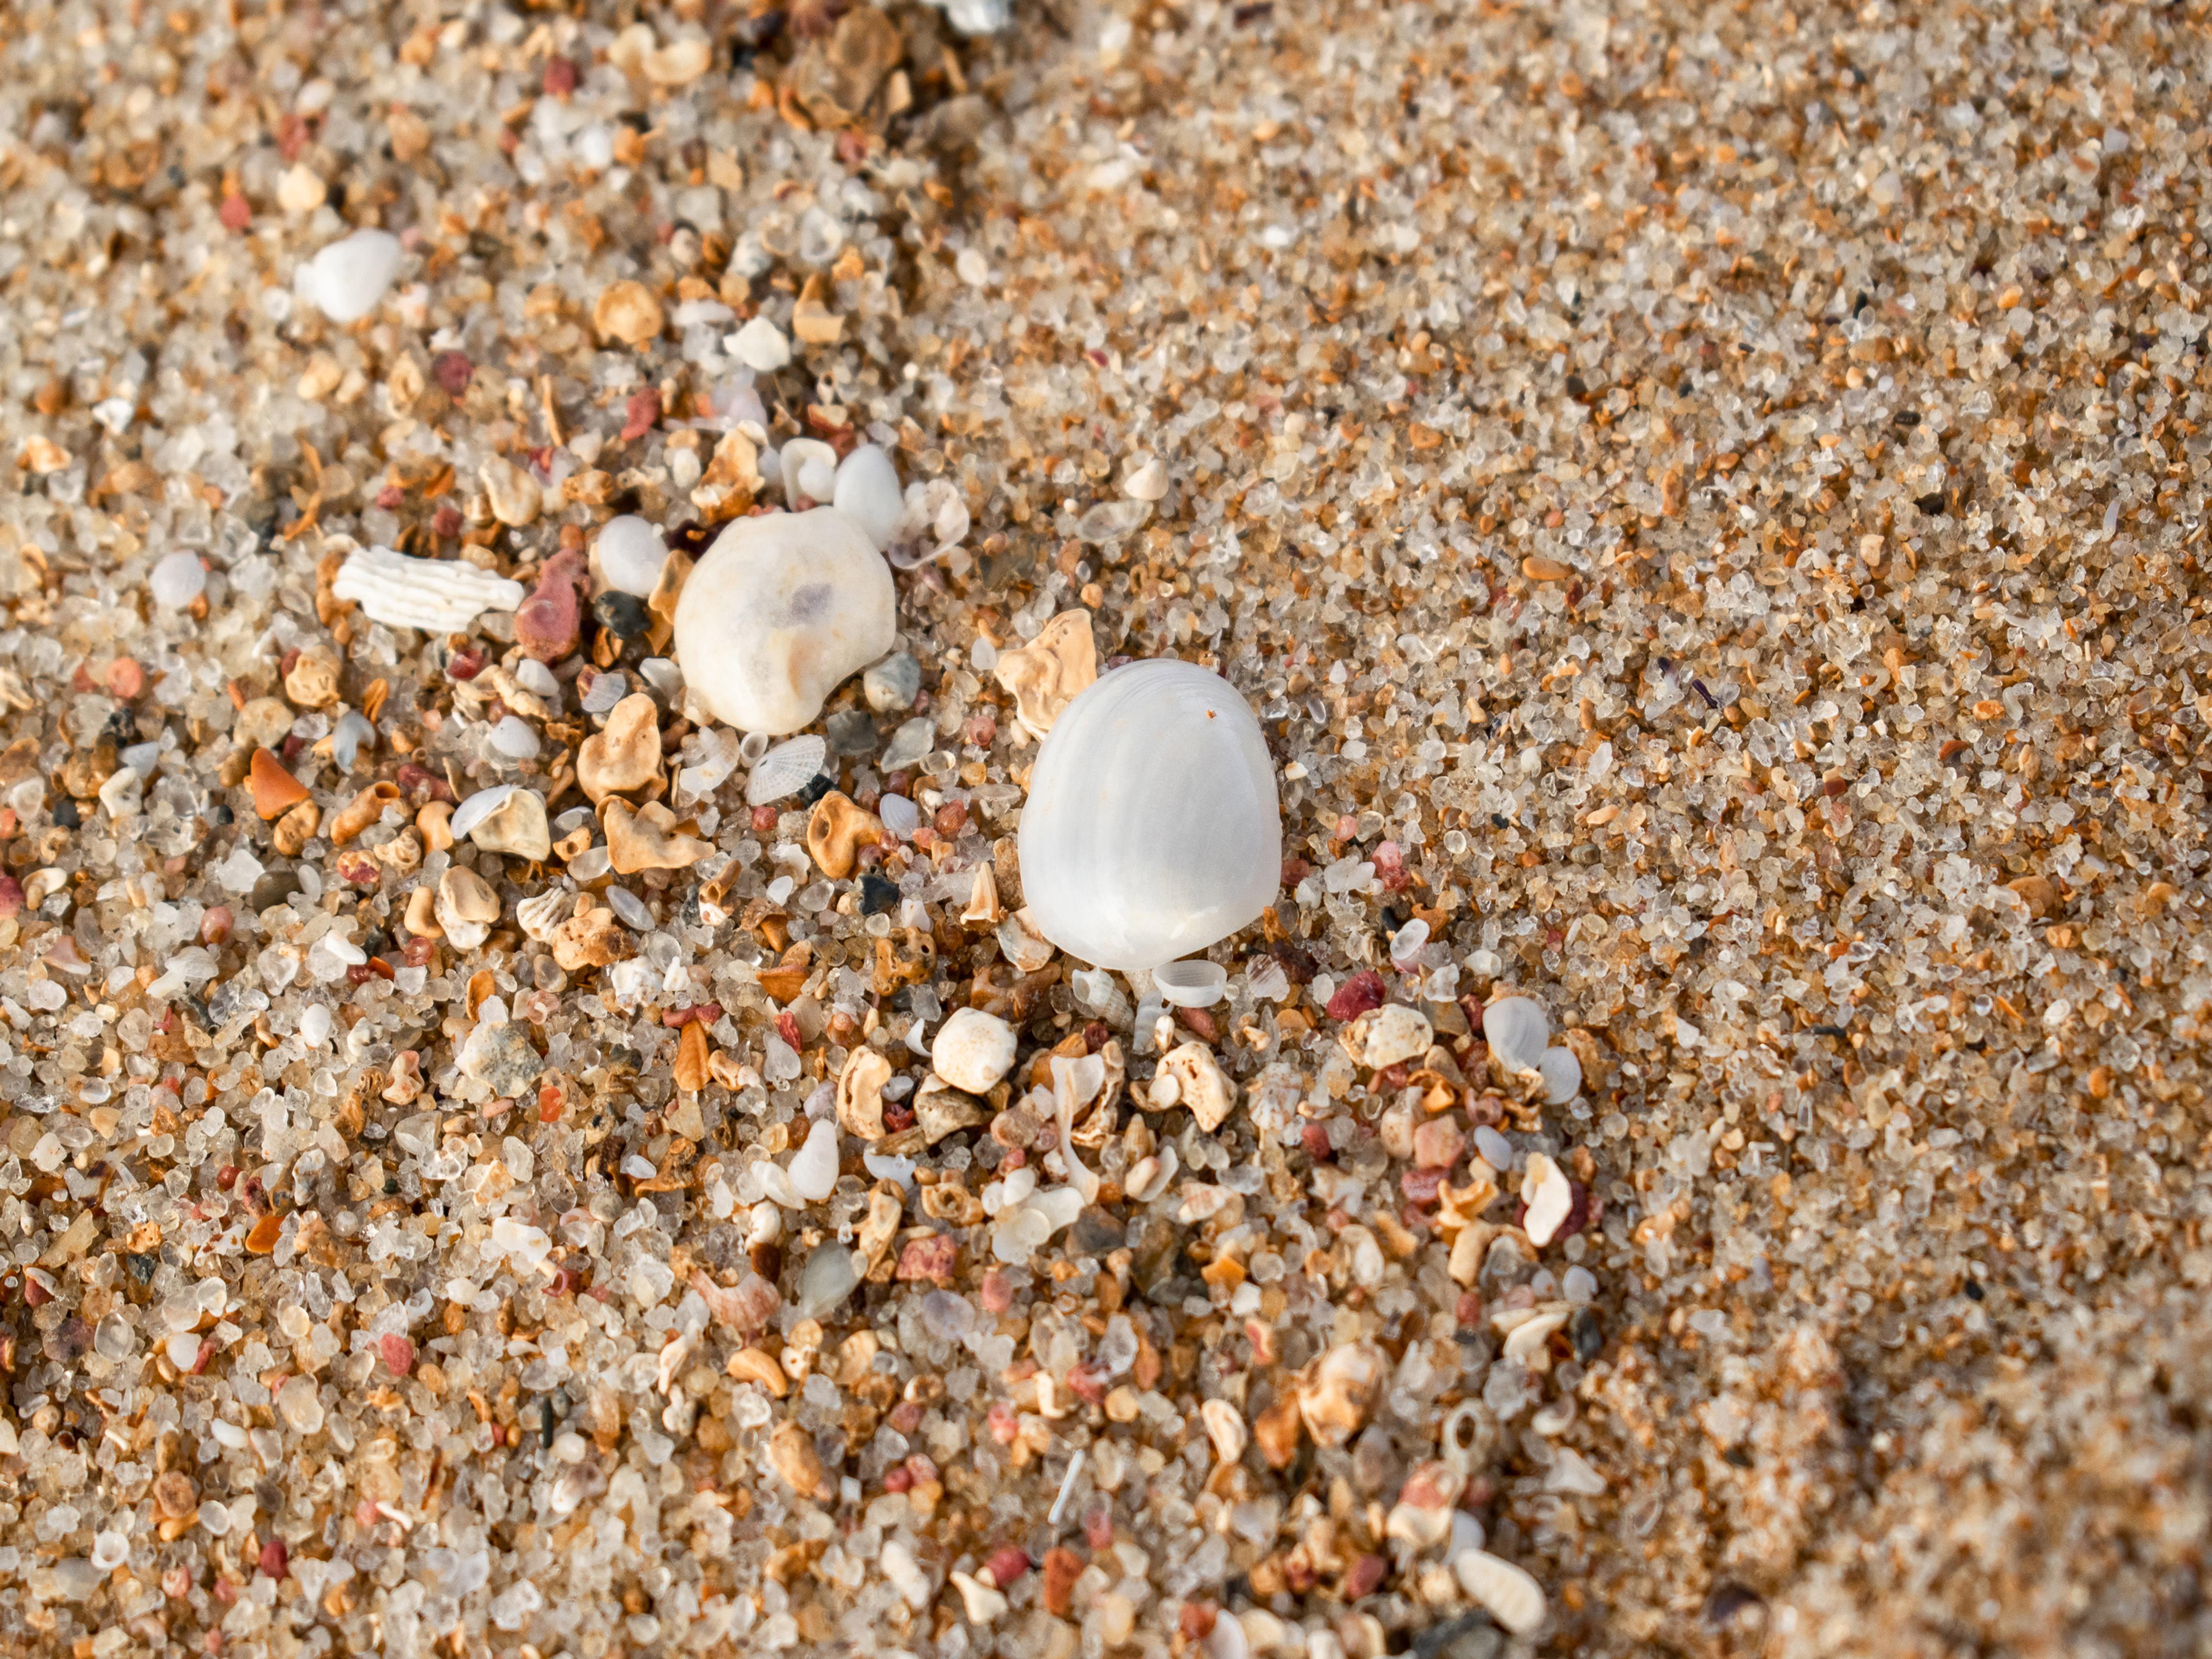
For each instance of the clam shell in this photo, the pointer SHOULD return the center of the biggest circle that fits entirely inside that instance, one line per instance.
(782, 609)
(1152, 829)
(1516, 1029)
(437, 596)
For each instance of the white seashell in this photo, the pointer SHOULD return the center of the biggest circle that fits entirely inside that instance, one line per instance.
(506, 819)
(1562, 1073)
(782, 609)
(760, 345)
(1506, 1593)
(784, 770)
(867, 491)
(1196, 983)
(629, 554)
(436, 596)
(1395, 1032)
(813, 1173)
(810, 469)
(540, 916)
(346, 279)
(973, 1050)
(1517, 1030)
(1152, 829)
(1545, 1190)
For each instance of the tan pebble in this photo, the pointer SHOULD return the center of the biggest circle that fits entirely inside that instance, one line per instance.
(312, 682)
(422, 917)
(624, 755)
(297, 828)
(691, 1057)
(790, 1451)
(680, 63)
(365, 809)
(42, 455)
(300, 189)
(516, 499)
(1278, 1431)
(629, 312)
(812, 320)
(1538, 568)
(434, 824)
(751, 1366)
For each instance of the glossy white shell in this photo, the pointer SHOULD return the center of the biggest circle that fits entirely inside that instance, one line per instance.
(781, 610)
(438, 596)
(1152, 829)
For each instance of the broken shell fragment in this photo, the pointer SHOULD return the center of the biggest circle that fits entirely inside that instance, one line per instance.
(1189, 1077)
(625, 755)
(1152, 829)
(1339, 1391)
(509, 820)
(435, 595)
(1507, 1593)
(781, 610)
(860, 1094)
(1050, 671)
(647, 839)
(1550, 1198)
(837, 830)
(365, 809)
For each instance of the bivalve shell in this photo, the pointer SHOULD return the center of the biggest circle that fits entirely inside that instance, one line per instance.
(1507, 1594)
(1152, 829)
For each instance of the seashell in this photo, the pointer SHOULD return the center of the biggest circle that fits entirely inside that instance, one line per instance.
(540, 915)
(436, 596)
(785, 770)
(647, 839)
(1050, 671)
(1507, 1594)
(629, 555)
(973, 1050)
(867, 492)
(507, 819)
(1550, 1198)
(1562, 1073)
(1189, 1077)
(348, 276)
(860, 1093)
(365, 809)
(1196, 983)
(782, 609)
(625, 755)
(1152, 829)
(1516, 1029)
(837, 830)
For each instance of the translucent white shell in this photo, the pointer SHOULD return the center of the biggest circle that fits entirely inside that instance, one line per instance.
(1516, 1029)
(1508, 1594)
(1152, 829)
(781, 610)
(438, 596)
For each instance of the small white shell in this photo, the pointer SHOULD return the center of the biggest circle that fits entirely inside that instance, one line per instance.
(1506, 1593)
(1152, 829)
(1550, 1198)
(1196, 983)
(348, 277)
(437, 596)
(782, 609)
(973, 1050)
(541, 914)
(1563, 1075)
(784, 769)
(1516, 1029)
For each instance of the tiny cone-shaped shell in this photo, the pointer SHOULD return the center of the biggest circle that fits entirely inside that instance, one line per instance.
(782, 609)
(1152, 829)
